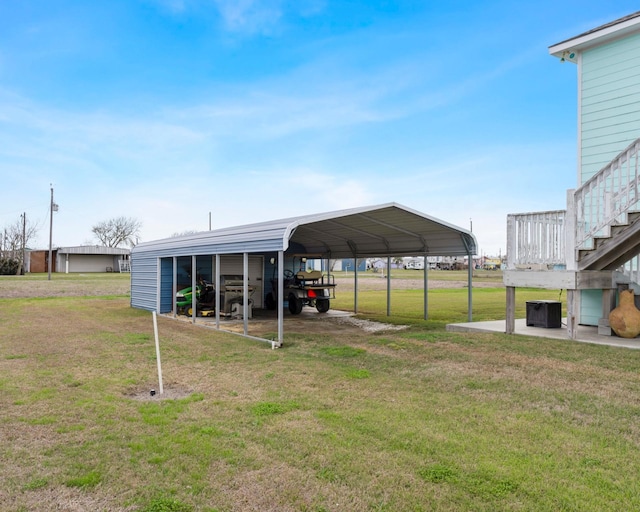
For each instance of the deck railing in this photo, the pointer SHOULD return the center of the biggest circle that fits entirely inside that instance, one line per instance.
(553, 238)
(536, 239)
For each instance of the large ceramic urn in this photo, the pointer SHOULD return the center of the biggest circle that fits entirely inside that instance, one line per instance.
(625, 319)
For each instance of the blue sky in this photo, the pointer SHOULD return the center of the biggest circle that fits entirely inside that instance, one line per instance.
(166, 110)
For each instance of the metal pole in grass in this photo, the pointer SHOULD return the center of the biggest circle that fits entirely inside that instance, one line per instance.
(155, 332)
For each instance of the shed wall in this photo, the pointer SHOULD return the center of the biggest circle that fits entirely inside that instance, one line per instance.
(87, 263)
(144, 281)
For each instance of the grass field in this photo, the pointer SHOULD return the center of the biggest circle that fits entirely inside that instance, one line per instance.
(412, 420)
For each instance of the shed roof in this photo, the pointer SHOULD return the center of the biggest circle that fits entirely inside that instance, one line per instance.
(94, 249)
(383, 230)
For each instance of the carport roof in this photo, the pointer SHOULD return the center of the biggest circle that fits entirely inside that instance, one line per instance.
(383, 230)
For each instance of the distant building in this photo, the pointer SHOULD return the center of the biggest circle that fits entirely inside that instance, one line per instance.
(83, 258)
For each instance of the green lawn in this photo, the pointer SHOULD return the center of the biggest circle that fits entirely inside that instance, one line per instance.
(445, 305)
(412, 420)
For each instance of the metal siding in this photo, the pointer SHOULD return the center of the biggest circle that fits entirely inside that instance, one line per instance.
(610, 102)
(166, 285)
(255, 238)
(144, 283)
(171, 250)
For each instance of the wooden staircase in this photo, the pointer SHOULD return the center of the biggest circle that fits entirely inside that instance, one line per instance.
(613, 249)
(592, 245)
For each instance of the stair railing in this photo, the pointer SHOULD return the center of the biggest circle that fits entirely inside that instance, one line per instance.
(553, 238)
(607, 196)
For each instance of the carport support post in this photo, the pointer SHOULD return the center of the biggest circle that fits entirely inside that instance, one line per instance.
(217, 290)
(388, 285)
(355, 283)
(174, 287)
(193, 289)
(425, 286)
(158, 284)
(245, 292)
(470, 288)
(280, 297)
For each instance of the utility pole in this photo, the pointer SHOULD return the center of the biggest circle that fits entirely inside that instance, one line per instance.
(53, 208)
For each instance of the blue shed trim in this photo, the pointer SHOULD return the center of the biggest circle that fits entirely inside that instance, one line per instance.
(166, 291)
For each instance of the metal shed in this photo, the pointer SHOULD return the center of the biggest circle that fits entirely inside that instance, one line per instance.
(92, 258)
(374, 231)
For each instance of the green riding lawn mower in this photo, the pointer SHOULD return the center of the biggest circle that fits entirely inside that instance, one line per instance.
(231, 297)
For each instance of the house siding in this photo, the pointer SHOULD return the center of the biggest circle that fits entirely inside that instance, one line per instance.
(609, 120)
(609, 102)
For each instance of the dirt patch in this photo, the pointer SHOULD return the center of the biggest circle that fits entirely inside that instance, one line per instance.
(333, 322)
(368, 325)
(152, 394)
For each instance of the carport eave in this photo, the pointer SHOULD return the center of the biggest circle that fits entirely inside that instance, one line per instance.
(430, 235)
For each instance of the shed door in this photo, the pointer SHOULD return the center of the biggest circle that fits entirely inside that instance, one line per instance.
(90, 263)
(232, 264)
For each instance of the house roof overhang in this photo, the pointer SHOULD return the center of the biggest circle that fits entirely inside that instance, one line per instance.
(384, 230)
(568, 49)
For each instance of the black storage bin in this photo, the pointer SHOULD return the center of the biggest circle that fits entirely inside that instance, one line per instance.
(544, 313)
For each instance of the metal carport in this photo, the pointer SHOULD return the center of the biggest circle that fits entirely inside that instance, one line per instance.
(373, 231)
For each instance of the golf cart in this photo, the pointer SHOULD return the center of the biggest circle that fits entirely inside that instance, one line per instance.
(303, 288)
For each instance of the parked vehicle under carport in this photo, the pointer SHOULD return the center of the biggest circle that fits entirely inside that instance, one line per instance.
(303, 288)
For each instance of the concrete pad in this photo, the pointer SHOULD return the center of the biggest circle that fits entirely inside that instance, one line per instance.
(586, 334)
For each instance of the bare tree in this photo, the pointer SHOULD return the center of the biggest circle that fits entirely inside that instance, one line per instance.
(117, 231)
(15, 239)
